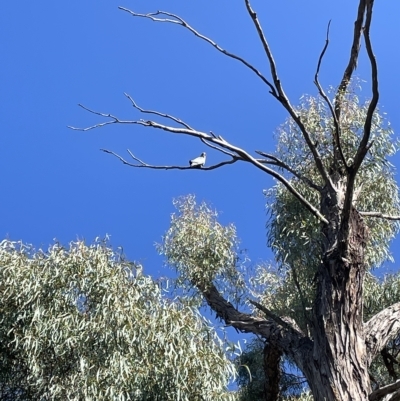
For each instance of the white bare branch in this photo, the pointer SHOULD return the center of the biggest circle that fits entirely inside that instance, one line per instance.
(277, 92)
(279, 163)
(379, 215)
(219, 148)
(157, 113)
(240, 154)
(179, 21)
(141, 163)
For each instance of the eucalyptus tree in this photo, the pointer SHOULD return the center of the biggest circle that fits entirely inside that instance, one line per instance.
(338, 217)
(83, 323)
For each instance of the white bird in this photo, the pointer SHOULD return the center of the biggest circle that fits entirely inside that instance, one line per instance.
(198, 161)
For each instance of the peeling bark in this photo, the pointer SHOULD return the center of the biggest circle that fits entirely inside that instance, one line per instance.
(380, 329)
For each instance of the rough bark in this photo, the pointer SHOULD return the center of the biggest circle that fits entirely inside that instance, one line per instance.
(338, 368)
(272, 371)
(380, 329)
(286, 337)
(335, 362)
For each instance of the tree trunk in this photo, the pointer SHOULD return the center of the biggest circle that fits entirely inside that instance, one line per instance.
(339, 365)
(272, 372)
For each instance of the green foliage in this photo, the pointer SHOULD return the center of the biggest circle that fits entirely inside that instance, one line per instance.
(251, 377)
(200, 248)
(380, 294)
(83, 323)
(293, 233)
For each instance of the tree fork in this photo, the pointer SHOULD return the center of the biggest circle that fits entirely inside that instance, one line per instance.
(340, 356)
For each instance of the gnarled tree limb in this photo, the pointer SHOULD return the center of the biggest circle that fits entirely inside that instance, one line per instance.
(380, 329)
(291, 341)
(240, 153)
(273, 316)
(381, 392)
(283, 99)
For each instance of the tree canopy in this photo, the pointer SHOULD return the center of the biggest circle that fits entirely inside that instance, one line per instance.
(85, 323)
(333, 213)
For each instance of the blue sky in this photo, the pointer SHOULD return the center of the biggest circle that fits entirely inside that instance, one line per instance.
(57, 184)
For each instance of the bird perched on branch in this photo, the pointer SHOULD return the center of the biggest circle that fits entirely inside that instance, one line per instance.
(198, 161)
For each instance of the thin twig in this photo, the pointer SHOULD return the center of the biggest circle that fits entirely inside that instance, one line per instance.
(219, 148)
(279, 163)
(379, 215)
(157, 113)
(179, 21)
(241, 153)
(114, 120)
(142, 164)
(283, 99)
(272, 315)
(337, 147)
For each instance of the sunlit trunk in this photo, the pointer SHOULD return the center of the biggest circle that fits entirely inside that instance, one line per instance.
(338, 370)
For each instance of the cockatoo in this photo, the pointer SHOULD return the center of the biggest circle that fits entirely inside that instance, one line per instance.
(198, 161)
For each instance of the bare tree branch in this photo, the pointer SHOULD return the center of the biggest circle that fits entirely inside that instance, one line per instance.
(337, 147)
(379, 215)
(211, 138)
(179, 21)
(220, 149)
(364, 146)
(156, 167)
(280, 95)
(114, 120)
(355, 50)
(273, 316)
(383, 391)
(380, 329)
(279, 163)
(290, 340)
(157, 113)
(283, 99)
